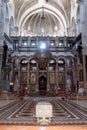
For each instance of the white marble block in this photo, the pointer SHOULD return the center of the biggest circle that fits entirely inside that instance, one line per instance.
(43, 110)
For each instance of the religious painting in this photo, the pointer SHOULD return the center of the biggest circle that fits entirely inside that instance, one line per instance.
(24, 78)
(52, 78)
(61, 78)
(33, 78)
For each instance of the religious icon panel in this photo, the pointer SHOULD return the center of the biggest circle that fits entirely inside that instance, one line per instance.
(52, 77)
(32, 78)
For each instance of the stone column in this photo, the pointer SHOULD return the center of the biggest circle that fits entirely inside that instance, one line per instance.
(1, 23)
(66, 69)
(1, 50)
(37, 85)
(84, 23)
(84, 68)
(19, 87)
(28, 75)
(48, 86)
(75, 75)
(56, 76)
(1, 38)
(83, 17)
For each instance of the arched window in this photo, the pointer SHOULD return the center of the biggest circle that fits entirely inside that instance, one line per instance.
(52, 64)
(33, 64)
(24, 65)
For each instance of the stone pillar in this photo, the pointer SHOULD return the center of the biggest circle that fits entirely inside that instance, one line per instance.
(84, 23)
(66, 69)
(28, 75)
(19, 75)
(56, 76)
(1, 22)
(83, 16)
(28, 44)
(84, 67)
(65, 40)
(1, 37)
(75, 75)
(48, 86)
(37, 85)
(1, 50)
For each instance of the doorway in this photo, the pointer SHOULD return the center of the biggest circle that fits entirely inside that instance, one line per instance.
(42, 85)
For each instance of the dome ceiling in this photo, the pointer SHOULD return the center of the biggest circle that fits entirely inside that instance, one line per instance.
(49, 18)
(42, 24)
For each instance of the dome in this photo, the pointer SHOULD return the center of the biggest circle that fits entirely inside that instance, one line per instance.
(43, 23)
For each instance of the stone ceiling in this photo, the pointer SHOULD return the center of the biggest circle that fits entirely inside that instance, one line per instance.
(50, 18)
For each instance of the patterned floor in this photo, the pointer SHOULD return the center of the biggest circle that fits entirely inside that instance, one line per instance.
(22, 112)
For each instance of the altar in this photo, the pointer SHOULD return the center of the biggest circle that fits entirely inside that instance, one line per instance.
(43, 112)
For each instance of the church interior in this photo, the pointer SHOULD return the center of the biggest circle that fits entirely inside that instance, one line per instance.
(43, 64)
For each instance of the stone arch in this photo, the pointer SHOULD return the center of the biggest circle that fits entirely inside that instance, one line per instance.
(62, 58)
(23, 57)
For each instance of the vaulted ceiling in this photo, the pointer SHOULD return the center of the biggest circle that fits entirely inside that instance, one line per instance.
(49, 17)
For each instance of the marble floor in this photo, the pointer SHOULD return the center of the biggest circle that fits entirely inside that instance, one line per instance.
(82, 103)
(22, 112)
(7, 127)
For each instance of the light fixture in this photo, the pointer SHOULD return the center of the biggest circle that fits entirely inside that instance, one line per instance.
(60, 44)
(33, 44)
(25, 43)
(52, 44)
(42, 45)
